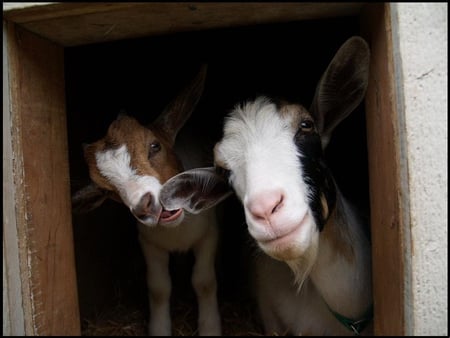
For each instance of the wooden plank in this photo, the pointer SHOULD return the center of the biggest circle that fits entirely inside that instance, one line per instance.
(386, 193)
(41, 178)
(9, 6)
(75, 24)
(52, 10)
(14, 306)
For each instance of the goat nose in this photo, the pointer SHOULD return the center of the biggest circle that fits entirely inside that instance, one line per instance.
(263, 206)
(144, 207)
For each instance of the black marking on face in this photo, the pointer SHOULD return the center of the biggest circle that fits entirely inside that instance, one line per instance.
(316, 175)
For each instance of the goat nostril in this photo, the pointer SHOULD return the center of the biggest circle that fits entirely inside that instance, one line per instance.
(144, 207)
(146, 200)
(265, 205)
(258, 217)
(278, 205)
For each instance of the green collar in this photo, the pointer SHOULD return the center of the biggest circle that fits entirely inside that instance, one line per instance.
(356, 326)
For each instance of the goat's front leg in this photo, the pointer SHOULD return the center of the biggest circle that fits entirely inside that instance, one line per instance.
(205, 284)
(159, 288)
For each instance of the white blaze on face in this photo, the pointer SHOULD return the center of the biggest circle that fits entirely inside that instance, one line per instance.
(114, 164)
(258, 147)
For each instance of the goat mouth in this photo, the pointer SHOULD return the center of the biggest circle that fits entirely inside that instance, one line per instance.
(281, 240)
(170, 215)
(285, 239)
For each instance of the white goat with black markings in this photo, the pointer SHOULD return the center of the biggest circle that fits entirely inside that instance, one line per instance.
(313, 276)
(130, 164)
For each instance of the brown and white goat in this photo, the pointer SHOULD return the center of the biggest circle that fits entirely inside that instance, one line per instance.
(315, 275)
(130, 164)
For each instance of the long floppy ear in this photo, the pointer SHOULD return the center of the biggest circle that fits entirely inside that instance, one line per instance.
(88, 198)
(178, 111)
(342, 87)
(194, 190)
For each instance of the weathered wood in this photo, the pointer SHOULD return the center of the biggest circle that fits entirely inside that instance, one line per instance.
(41, 182)
(386, 194)
(15, 303)
(71, 24)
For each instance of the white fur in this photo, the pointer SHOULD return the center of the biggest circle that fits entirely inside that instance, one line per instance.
(114, 164)
(200, 233)
(258, 148)
(301, 271)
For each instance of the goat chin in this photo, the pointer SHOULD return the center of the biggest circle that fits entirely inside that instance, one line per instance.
(299, 260)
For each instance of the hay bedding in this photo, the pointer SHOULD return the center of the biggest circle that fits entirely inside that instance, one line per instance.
(126, 313)
(238, 319)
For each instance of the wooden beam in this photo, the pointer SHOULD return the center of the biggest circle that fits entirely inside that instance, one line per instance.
(72, 24)
(41, 182)
(385, 176)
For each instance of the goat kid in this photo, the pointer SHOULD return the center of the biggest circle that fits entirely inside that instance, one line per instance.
(315, 275)
(130, 165)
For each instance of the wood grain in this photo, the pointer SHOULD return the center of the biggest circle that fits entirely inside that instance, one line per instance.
(72, 24)
(384, 176)
(39, 137)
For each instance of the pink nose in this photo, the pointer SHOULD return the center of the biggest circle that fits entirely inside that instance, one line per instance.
(144, 207)
(265, 204)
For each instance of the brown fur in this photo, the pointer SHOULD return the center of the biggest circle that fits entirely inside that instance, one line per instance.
(127, 130)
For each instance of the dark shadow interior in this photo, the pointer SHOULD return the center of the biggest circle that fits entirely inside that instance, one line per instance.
(141, 76)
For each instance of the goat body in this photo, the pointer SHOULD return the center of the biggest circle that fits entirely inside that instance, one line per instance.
(313, 266)
(131, 164)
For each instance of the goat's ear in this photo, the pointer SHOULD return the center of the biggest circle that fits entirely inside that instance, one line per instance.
(88, 198)
(178, 111)
(194, 190)
(342, 86)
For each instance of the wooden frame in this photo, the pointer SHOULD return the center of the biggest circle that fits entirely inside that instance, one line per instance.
(388, 199)
(39, 175)
(71, 24)
(41, 184)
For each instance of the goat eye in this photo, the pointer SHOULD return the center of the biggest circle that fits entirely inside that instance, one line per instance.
(154, 148)
(306, 125)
